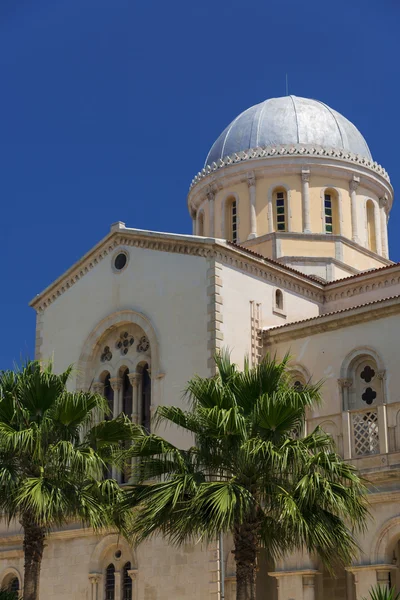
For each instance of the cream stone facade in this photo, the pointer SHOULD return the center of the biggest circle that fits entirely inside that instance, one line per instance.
(289, 251)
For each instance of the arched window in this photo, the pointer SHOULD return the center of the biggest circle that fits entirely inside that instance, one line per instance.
(126, 394)
(279, 300)
(371, 233)
(231, 221)
(364, 394)
(14, 585)
(126, 582)
(11, 584)
(146, 397)
(200, 223)
(331, 212)
(280, 209)
(109, 396)
(109, 583)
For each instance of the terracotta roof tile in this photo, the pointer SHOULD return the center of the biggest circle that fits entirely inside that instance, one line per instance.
(335, 312)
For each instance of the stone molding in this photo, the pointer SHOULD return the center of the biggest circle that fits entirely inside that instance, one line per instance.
(215, 337)
(377, 281)
(332, 321)
(289, 150)
(204, 248)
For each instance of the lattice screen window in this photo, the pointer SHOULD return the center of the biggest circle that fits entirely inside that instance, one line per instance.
(365, 433)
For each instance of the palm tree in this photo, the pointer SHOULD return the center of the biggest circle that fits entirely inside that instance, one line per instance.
(381, 593)
(53, 457)
(6, 594)
(250, 472)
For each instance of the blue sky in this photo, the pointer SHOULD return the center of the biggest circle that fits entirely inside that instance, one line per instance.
(108, 109)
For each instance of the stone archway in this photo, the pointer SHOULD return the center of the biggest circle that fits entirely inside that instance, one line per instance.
(116, 319)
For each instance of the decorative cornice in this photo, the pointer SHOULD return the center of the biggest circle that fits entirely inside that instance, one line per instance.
(289, 150)
(346, 317)
(354, 183)
(204, 248)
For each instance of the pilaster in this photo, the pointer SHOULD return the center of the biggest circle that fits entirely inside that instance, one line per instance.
(383, 204)
(251, 182)
(211, 208)
(305, 196)
(95, 579)
(367, 576)
(353, 185)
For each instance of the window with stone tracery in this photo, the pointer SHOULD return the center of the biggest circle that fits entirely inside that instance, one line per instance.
(363, 393)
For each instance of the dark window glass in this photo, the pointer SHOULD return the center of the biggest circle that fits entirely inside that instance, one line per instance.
(280, 195)
(120, 261)
(126, 583)
(146, 398)
(109, 588)
(281, 226)
(280, 210)
(14, 585)
(328, 228)
(280, 218)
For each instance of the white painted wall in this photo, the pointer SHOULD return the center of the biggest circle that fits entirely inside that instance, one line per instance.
(238, 289)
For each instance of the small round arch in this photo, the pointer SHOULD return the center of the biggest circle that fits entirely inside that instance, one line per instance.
(11, 579)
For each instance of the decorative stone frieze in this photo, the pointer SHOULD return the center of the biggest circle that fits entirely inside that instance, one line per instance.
(289, 150)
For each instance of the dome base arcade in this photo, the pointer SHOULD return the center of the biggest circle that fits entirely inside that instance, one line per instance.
(335, 210)
(295, 181)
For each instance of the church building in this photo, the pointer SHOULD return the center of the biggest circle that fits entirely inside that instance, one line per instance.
(289, 252)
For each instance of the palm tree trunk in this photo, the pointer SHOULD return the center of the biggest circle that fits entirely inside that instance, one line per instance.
(245, 538)
(34, 537)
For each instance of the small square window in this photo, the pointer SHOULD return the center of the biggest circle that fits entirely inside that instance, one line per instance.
(280, 218)
(280, 195)
(328, 228)
(280, 202)
(328, 212)
(328, 220)
(280, 210)
(281, 226)
(327, 197)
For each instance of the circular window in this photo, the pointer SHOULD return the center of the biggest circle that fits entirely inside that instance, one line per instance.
(118, 554)
(120, 261)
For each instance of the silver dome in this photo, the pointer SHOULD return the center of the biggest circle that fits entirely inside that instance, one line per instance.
(289, 120)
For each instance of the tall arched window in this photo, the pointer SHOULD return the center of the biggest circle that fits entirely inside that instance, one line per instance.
(364, 394)
(231, 220)
(280, 209)
(331, 212)
(127, 408)
(146, 397)
(14, 585)
(279, 300)
(126, 394)
(126, 582)
(371, 233)
(109, 396)
(109, 583)
(200, 223)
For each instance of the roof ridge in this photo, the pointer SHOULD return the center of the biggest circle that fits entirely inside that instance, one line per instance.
(329, 314)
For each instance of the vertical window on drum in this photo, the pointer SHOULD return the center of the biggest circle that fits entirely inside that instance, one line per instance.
(109, 587)
(280, 211)
(234, 221)
(14, 585)
(328, 208)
